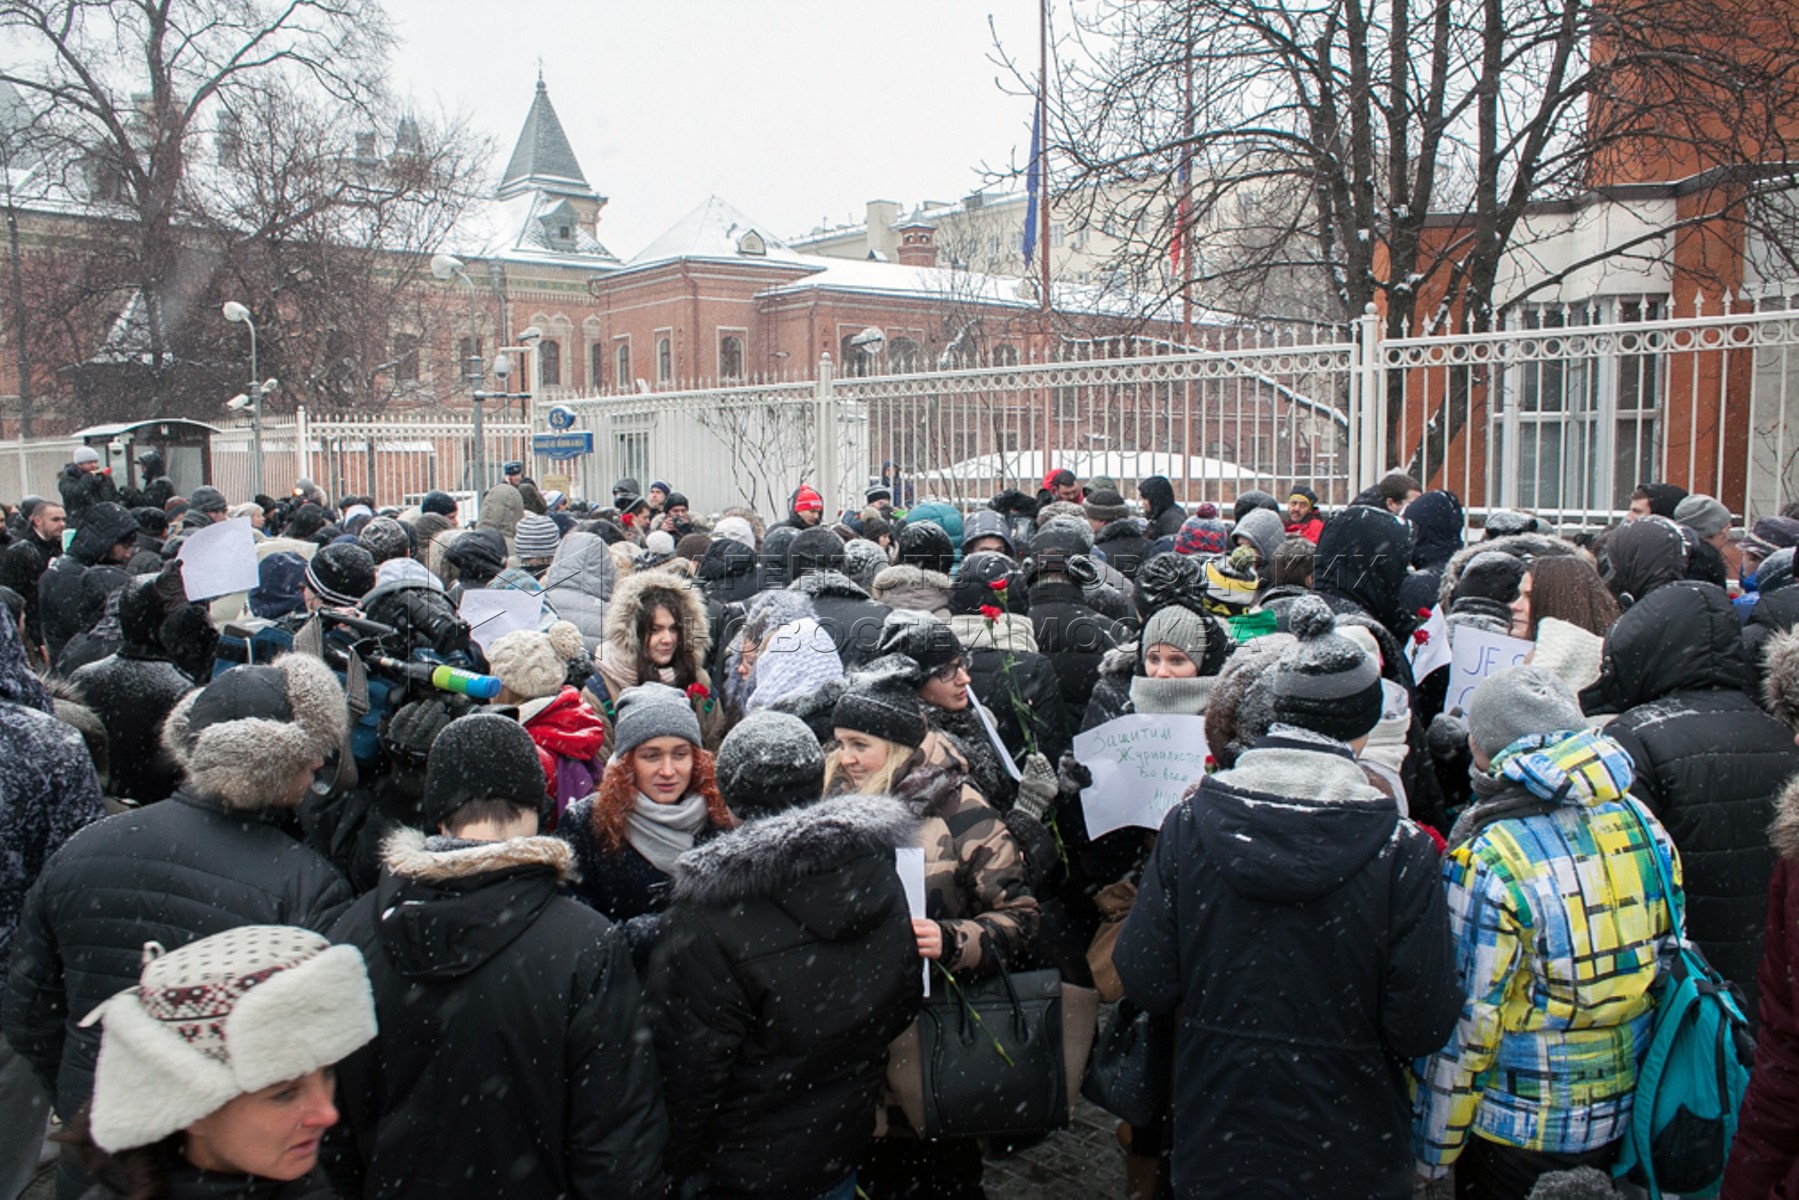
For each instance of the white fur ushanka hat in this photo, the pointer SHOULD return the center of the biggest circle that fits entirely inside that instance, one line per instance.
(243, 737)
(218, 1018)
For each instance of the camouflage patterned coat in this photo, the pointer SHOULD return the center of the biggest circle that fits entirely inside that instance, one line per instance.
(974, 870)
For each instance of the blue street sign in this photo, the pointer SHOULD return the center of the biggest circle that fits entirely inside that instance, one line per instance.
(562, 445)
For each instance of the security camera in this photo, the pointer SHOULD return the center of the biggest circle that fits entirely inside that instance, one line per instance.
(267, 386)
(502, 367)
(238, 403)
(529, 333)
(118, 448)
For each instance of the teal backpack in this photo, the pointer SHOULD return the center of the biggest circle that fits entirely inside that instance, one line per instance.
(1690, 1083)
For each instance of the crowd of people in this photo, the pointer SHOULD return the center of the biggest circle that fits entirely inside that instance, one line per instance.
(280, 920)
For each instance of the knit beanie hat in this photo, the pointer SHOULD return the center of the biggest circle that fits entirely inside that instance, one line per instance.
(768, 763)
(86, 454)
(219, 1018)
(483, 756)
(1231, 582)
(652, 710)
(737, 529)
(1664, 498)
(527, 664)
(1168, 579)
(1179, 627)
(341, 574)
(925, 545)
(1491, 575)
(1201, 536)
(807, 500)
(1056, 542)
(1106, 505)
(1251, 500)
(814, 550)
(441, 503)
(1519, 702)
(1326, 683)
(881, 700)
(921, 637)
(862, 559)
(1703, 515)
(535, 538)
(207, 500)
(693, 547)
(477, 554)
(281, 718)
(385, 538)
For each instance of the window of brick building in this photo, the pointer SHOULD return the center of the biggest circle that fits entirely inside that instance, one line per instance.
(549, 362)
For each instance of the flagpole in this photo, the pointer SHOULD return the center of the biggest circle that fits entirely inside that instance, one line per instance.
(1185, 209)
(1043, 149)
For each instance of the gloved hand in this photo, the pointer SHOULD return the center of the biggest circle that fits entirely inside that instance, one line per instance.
(413, 727)
(1071, 775)
(1447, 736)
(1083, 570)
(1037, 789)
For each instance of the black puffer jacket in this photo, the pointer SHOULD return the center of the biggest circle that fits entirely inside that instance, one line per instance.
(172, 873)
(73, 590)
(1165, 516)
(1124, 545)
(786, 965)
(132, 691)
(1773, 612)
(847, 613)
(1072, 636)
(1004, 680)
(727, 572)
(1362, 558)
(1303, 927)
(81, 490)
(1710, 763)
(514, 1056)
(22, 565)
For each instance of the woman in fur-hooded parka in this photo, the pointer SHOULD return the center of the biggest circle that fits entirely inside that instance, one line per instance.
(1764, 1159)
(211, 857)
(622, 660)
(785, 965)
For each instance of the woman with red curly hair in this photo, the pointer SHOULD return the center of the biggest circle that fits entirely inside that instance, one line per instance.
(657, 799)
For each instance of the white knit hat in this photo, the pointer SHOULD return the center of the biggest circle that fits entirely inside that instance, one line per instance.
(528, 663)
(219, 1018)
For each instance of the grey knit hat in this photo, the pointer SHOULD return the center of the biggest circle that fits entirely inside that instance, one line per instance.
(1703, 515)
(1263, 529)
(652, 710)
(1326, 683)
(535, 538)
(1518, 702)
(1178, 626)
(385, 538)
(1106, 505)
(768, 763)
(207, 500)
(86, 454)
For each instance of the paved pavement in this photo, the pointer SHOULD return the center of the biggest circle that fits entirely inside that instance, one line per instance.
(1082, 1162)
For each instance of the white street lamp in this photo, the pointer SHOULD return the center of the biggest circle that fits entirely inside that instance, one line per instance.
(237, 314)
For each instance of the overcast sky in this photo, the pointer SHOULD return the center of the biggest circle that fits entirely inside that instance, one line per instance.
(793, 110)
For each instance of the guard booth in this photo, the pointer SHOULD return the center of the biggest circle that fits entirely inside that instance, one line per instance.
(186, 450)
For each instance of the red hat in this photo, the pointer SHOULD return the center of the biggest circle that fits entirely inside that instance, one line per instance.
(807, 500)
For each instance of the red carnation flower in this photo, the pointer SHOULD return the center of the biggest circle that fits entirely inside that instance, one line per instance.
(991, 612)
(999, 585)
(1421, 636)
(1424, 614)
(698, 691)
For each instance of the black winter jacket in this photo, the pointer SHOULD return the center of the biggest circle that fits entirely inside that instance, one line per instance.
(133, 691)
(847, 613)
(1303, 927)
(1710, 763)
(1072, 636)
(22, 565)
(1124, 545)
(172, 873)
(73, 590)
(514, 1056)
(81, 490)
(1001, 677)
(786, 964)
(727, 572)
(1773, 612)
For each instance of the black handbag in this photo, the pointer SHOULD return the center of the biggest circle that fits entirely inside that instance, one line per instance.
(1131, 1073)
(991, 1053)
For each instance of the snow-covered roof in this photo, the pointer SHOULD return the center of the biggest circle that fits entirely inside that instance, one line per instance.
(718, 230)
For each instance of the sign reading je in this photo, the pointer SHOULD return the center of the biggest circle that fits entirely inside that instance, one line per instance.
(562, 445)
(1141, 767)
(1476, 654)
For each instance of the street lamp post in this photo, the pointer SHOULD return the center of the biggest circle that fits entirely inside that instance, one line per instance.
(447, 267)
(237, 314)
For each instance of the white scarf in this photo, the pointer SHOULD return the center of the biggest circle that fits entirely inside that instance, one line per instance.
(664, 832)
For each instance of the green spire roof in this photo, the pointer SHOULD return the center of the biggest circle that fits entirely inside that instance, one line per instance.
(543, 158)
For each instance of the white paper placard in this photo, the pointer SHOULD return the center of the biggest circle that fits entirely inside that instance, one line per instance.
(1433, 652)
(219, 559)
(909, 862)
(1141, 767)
(1478, 654)
(993, 739)
(492, 613)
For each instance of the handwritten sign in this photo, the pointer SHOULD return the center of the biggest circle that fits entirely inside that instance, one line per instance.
(909, 862)
(1141, 767)
(1476, 654)
(492, 613)
(219, 559)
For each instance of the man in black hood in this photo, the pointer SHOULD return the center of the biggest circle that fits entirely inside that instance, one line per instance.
(1165, 516)
(157, 490)
(72, 593)
(513, 1055)
(1362, 558)
(132, 691)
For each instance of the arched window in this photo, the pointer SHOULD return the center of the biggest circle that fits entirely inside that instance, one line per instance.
(596, 367)
(730, 357)
(621, 374)
(904, 356)
(1005, 355)
(665, 360)
(549, 362)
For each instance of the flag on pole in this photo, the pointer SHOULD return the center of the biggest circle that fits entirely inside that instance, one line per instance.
(1031, 182)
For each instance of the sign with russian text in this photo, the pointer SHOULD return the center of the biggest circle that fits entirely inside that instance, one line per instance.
(562, 445)
(1141, 767)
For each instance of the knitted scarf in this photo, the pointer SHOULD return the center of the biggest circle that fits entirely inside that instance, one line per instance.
(662, 833)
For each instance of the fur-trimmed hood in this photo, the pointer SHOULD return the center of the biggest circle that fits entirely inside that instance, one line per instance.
(910, 587)
(630, 597)
(1784, 833)
(248, 763)
(1520, 545)
(409, 854)
(766, 858)
(1780, 681)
